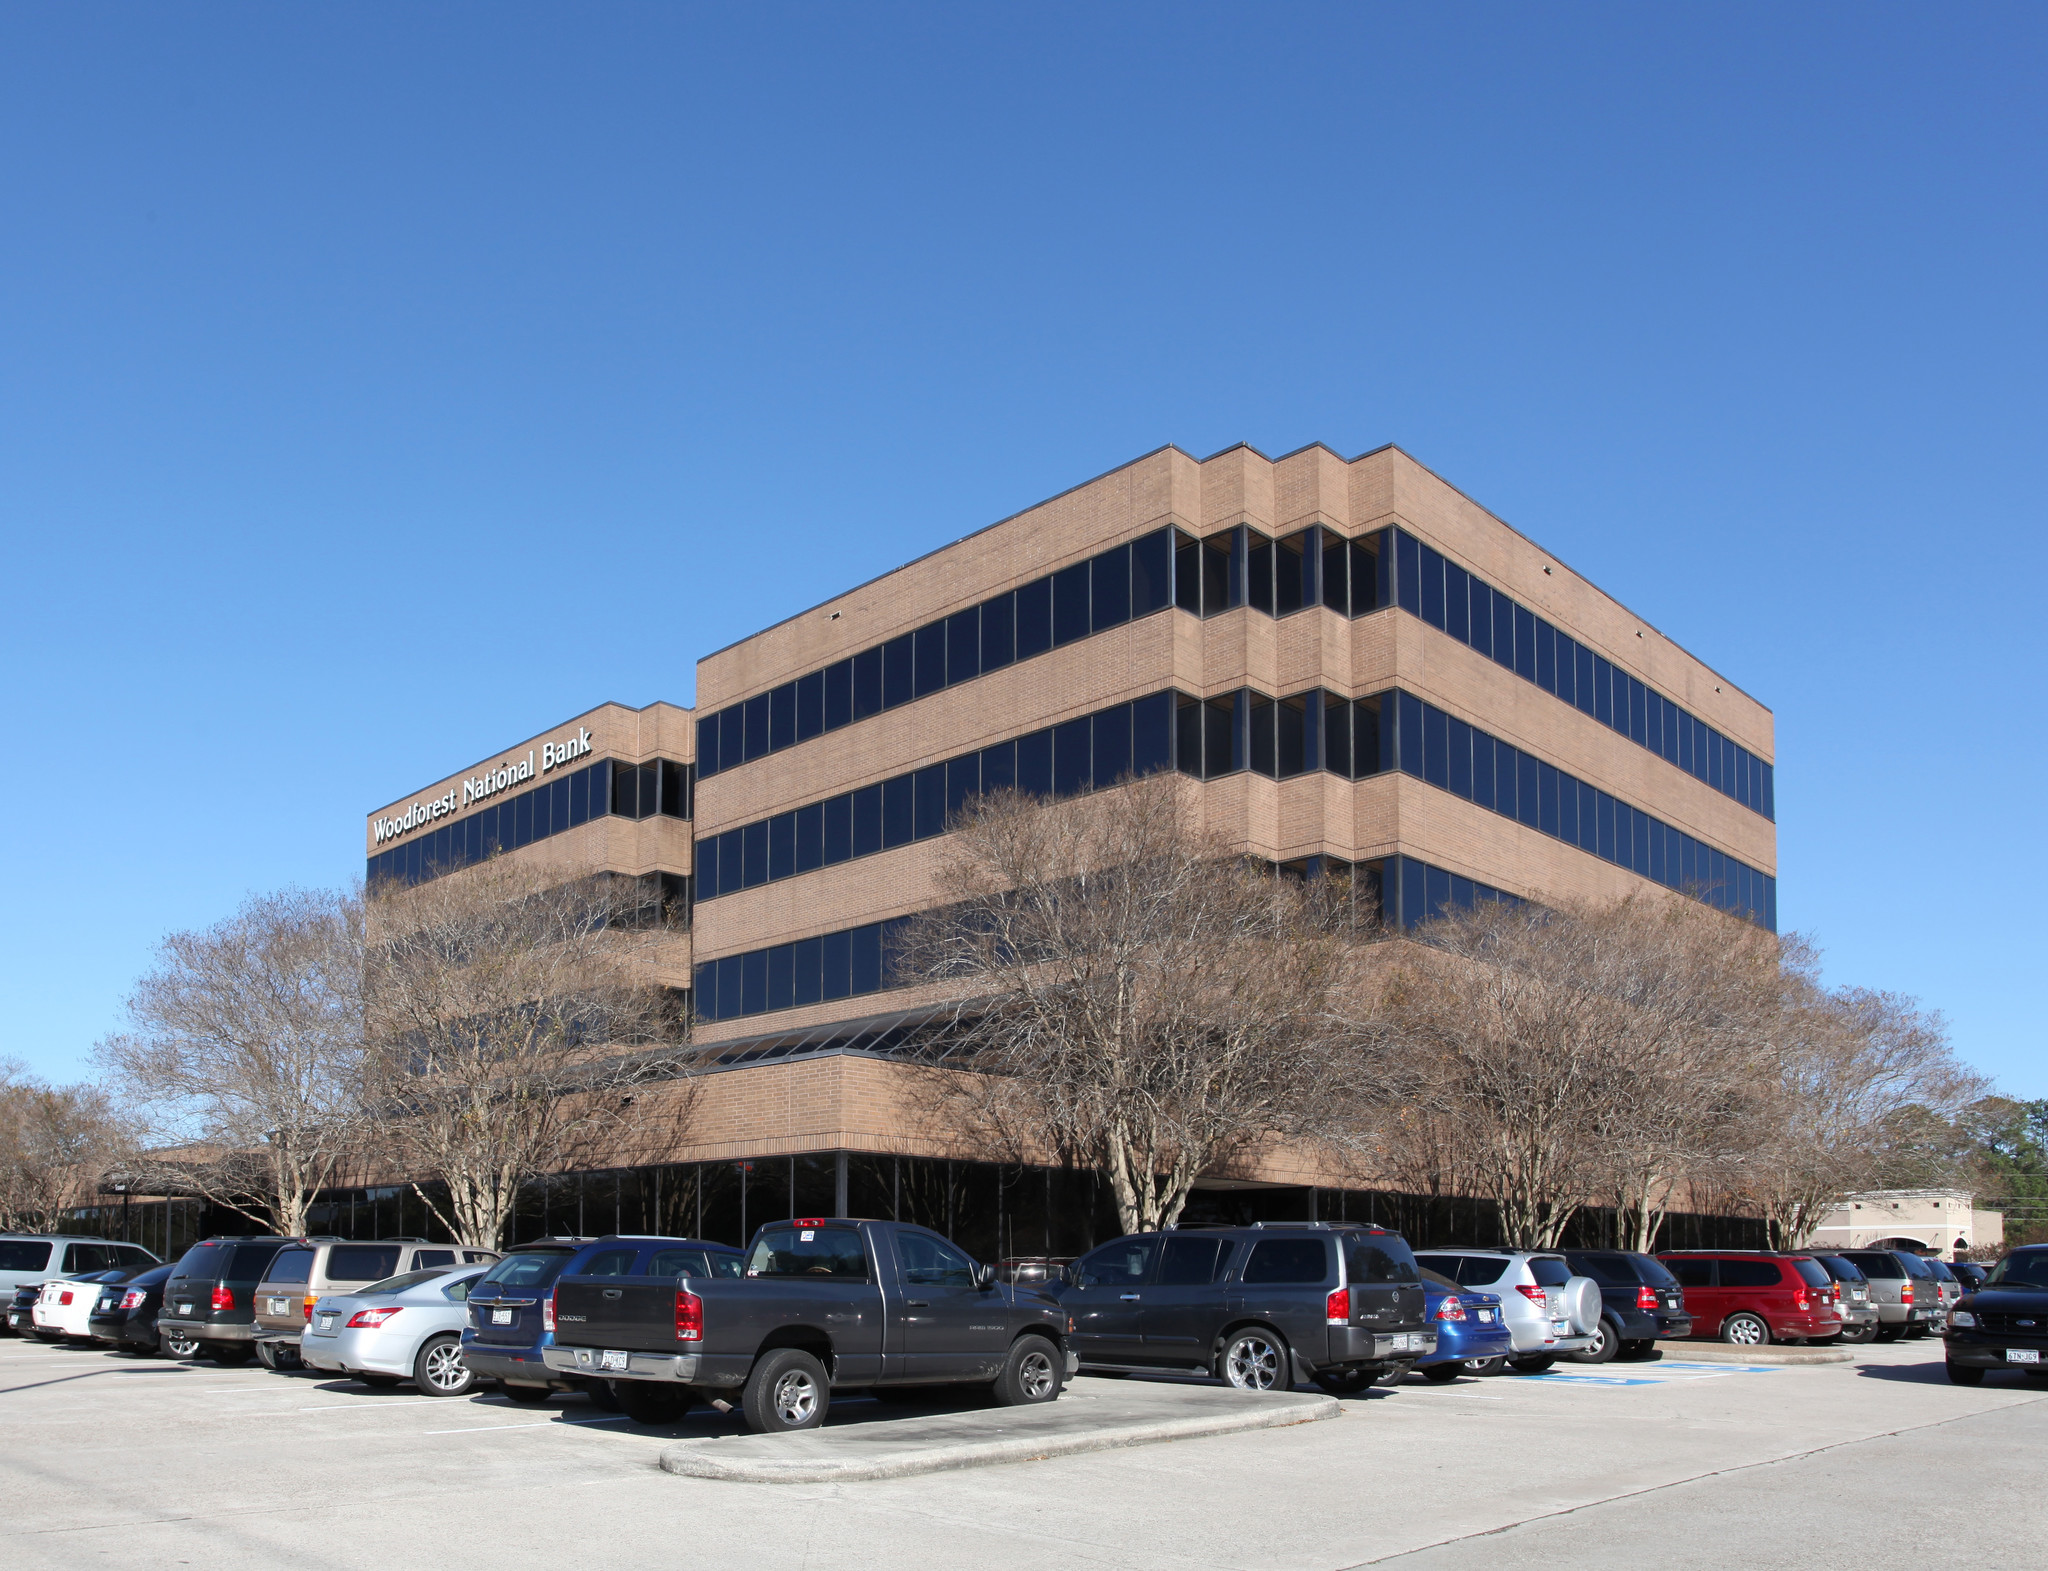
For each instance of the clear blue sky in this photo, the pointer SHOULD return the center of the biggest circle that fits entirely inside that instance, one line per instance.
(381, 384)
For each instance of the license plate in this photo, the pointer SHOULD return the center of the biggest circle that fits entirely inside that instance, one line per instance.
(2022, 1355)
(1560, 1326)
(280, 1306)
(501, 1317)
(1483, 1316)
(184, 1309)
(611, 1359)
(327, 1322)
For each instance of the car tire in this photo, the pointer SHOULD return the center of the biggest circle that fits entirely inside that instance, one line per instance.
(1349, 1382)
(438, 1369)
(1635, 1352)
(1746, 1330)
(276, 1356)
(1884, 1333)
(1033, 1373)
(1442, 1374)
(787, 1391)
(1857, 1334)
(531, 1396)
(1917, 1332)
(652, 1401)
(1605, 1345)
(1255, 1358)
(1532, 1363)
(1485, 1366)
(1965, 1375)
(602, 1396)
(177, 1345)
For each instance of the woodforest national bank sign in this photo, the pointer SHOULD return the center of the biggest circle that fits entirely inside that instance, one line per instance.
(503, 776)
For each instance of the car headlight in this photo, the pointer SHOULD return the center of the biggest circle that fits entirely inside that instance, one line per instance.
(1961, 1317)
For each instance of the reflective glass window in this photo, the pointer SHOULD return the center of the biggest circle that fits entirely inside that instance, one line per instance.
(867, 683)
(1431, 566)
(1503, 631)
(1482, 770)
(837, 813)
(1479, 626)
(1408, 571)
(1034, 618)
(867, 820)
(1457, 602)
(963, 645)
(782, 845)
(1109, 589)
(781, 968)
(898, 685)
(928, 802)
(753, 855)
(899, 822)
(1336, 573)
(1436, 747)
(1151, 725)
(963, 781)
(810, 706)
(782, 716)
(1034, 763)
(1546, 656)
(1151, 572)
(865, 960)
(754, 982)
(1070, 604)
(1111, 745)
(835, 953)
(998, 632)
(928, 659)
(1459, 758)
(999, 767)
(1337, 737)
(810, 837)
(838, 694)
(807, 974)
(1073, 765)
(754, 721)
(1258, 552)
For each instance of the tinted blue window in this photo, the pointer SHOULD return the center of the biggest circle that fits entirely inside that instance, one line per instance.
(807, 971)
(810, 837)
(753, 855)
(704, 991)
(522, 828)
(1151, 733)
(706, 857)
(963, 645)
(1070, 604)
(1638, 713)
(897, 665)
(1527, 798)
(1567, 669)
(1603, 691)
(928, 802)
(782, 717)
(1586, 666)
(1589, 818)
(1414, 890)
(838, 694)
(754, 982)
(865, 959)
(867, 820)
(1506, 779)
(867, 683)
(707, 744)
(731, 990)
(1482, 770)
(1437, 883)
(1034, 763)
(928, 659)
(963, 781)
(999, 767)
(782, 845)
(1568, 809)
(780, 971)
(1151, 573)
(1546, 656)
(754, 726)
(1109, 589)
(835, 964)
(1503, 631)
(1073, 764)
(1111, 745)
(1525, 643)
(1436, 746)
(1457, 602)
(1459, 777)
(810, 706)
(1461, 892)
(1479, 629)
(1770, 807)
(1604, 805)
(1546, 799)
(1409, 747)
(998, 632)
(838, 815)
(898, 817)
(1034, 618)
(1408, 571)
(1337, 736)
(1432, 570)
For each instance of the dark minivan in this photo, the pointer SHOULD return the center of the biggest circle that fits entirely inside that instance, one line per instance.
(209, 1304)
(1261, 1307)
(1639, 1301)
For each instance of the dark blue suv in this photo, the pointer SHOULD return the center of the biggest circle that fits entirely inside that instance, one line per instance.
(512, 1306)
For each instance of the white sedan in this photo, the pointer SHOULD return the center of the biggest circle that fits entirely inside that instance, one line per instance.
(404, 1328)
(65, 1304)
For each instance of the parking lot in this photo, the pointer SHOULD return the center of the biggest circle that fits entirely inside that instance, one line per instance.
(109, 1460)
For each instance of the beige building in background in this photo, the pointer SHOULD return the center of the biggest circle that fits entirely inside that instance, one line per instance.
(1945, 1221)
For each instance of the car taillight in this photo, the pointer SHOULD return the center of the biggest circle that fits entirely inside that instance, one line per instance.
(64, 1297)
(307, 1305)
(689, 1316)
(132, 1299)
(1337, 1307)
(547, 1313)
(1905, 1292)
(223, 1296)
(1799, 1300)
(1646, 1298)
(1452, 1308)
(370, 1319)
(1535, 1295)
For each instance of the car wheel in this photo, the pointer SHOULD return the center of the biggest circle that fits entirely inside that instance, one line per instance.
(1885, 1333)
(1486, 1366)
(1031, 1374)
(1965, 1375)
(1636, 1351)
(278, 1356)
(1916, 1332)
(1858, 1334)
(786, 1391)
(438, 1369)
(532, 1396)
(1349, 1382)
(650, 1401)
(1745, 1331)
(1532, 1363)
(1255, 1359)
(602, 1396)
(177, 1345)
(1605, 1345)
(1442, 1374)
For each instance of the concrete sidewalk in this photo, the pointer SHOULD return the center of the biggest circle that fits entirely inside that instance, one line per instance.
(1091, 1415)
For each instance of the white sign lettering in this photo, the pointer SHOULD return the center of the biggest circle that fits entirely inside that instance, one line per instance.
(501, 777)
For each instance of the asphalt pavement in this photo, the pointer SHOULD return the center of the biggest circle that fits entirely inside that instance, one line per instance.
(106, 1460)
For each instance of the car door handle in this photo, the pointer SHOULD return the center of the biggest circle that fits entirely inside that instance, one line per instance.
(917, 1303)
(1128, 1298)
(614, 1292)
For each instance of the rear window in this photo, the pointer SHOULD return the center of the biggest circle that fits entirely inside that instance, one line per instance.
(202, 1260)
(537, 1269)
(291, 1265)
(811, 1251)
(677, 1262)
(612, 1262)
(1607, 1270)
(1468, 1270)
(1379, 1257)
(250, 1261)
(19, 1255)
(1917, 1267)
(1840, 1269)
(1811, 1273)
(1939, 1271)
(1281, 1262)
(361, 1262)
(1549, 1271)
(422, 1258)
(1878, 1267)
(398, 1284)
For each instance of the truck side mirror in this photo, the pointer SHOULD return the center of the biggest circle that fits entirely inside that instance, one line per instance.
(984, 1276)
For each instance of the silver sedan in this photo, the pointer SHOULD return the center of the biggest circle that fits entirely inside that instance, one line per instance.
(404, 1328)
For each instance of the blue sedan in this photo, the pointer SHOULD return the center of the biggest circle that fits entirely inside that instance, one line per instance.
(1469, 1330)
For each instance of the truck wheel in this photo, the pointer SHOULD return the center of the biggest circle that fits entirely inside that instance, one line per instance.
(1605, 1344)
(1255, 1359)
(786, 1391)
(651, 1401)
(1030, 1374)
(1965, 1375)
(602, 1396)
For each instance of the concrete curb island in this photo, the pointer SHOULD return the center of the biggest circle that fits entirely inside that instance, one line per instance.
(942, 1442)
(1678, 1352)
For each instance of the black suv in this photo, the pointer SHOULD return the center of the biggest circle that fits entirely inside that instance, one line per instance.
(1640, 1300)
(1262, 1307)
(2004, 1323)
(209, 1302)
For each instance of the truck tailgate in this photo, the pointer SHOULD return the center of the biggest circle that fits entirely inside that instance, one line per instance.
(617, 1311)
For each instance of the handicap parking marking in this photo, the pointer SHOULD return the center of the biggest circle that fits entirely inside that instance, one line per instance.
(1651, 1375)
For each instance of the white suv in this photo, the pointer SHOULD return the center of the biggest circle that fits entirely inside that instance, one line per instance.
(27, 1258)
(1550, 1310)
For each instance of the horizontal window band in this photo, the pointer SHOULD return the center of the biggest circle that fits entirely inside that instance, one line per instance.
(660, 787)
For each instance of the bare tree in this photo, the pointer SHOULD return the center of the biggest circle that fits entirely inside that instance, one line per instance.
(1131, 996)
(243, 1067)
(55, 1142)
(518, 1029)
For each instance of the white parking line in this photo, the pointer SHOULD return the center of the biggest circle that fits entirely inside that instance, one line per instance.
(545, 1423)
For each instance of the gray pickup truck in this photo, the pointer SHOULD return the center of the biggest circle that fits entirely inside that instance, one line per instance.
(825, 1304)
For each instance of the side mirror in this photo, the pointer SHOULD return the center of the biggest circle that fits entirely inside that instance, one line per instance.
(984, 1276)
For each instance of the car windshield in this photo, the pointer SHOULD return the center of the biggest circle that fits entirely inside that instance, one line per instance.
(531, 1268)
(2028, 1268)
(398, 1284)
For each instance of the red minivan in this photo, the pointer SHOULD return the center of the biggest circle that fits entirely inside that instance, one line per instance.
(1750, 1297)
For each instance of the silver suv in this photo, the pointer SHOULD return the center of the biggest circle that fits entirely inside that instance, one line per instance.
(312, 1268)
(1549, 1309)
(1907, 1297)
(29, 1258)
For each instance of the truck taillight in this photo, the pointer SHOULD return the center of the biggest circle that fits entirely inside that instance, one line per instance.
(1905, 1292)
(689, 1316)
(1337, 1307)
(1646, 1298)
(223, 1296)
(132, 1299)
(547, 1313)
(1452, 1308)
(307, 1305)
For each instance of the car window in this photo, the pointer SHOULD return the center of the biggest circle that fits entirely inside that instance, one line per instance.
(398, 1284)
(1811, 1272)
(1432, 1279)
(1939, 1270)
(931, 1262)
(809, 1251)
(1287, 1261)
(1607, 1270)
(611, 1262)
(1378, 1257)
(538, 1268)
(361, 1262)
(22, 1255)
(2023, 1268)
(476, 1256)
(1128, 1262)
(422, 1258)
(250, 1261)
(1468, 1270)
(1838, 1268)
(1189, 1262)
(201, 1260)
(1750, 1273)
(1916, 1267)
(1692, 1273)
(1877, 1265)
(129, 1254)
(455, 1292)
(291, 1265)
(1549, 1271)
(86, 1257)
(724, 1264)
(677, 1262)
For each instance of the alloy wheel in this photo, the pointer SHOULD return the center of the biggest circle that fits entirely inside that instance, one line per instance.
(1252, 1363)
(796, 1398)
(181, 1346)
(1035, 1376)
(1746, 1331)
(445, 1368)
